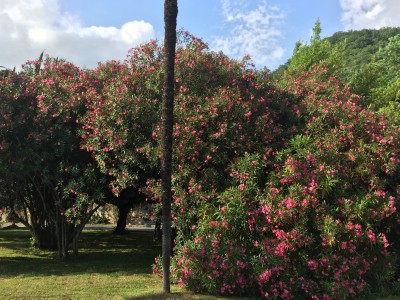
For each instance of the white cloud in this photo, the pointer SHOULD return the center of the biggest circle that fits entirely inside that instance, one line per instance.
(374, 14)
(253, 32)
(27, 27)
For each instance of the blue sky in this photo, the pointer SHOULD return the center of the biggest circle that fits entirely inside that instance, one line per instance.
(88, 31)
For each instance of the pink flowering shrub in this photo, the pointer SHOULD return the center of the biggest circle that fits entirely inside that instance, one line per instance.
(218, 257)
(321, 224)
(48, 181)
(286, 190)
(122, 102)
(223, 108)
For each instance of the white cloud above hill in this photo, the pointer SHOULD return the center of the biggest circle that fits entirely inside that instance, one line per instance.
(373, 14)
(252, 31)
(27, 27)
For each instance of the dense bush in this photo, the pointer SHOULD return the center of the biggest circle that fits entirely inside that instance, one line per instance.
(288, 190)
(223, 108)
(47, 181)
(320, 227)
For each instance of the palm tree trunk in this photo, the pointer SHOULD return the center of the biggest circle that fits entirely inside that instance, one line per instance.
(167, 120)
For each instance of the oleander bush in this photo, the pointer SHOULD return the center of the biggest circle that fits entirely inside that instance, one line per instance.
(322, 224)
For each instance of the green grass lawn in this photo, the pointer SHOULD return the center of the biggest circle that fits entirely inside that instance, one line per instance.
(107, 267)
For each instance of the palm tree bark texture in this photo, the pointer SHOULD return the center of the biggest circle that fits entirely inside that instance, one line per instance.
(167, 119)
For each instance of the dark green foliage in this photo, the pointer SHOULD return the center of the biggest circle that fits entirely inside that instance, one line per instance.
(367, 40)
(361, 46)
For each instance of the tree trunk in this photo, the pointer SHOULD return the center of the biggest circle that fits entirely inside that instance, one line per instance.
(124, 209)
(167, 119)
(64, 239)
(39, 222)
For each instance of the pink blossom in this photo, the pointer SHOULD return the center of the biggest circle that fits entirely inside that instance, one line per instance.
(241, 264)
(312, 264)
(223, 210)
(385, 241)
(371, 236)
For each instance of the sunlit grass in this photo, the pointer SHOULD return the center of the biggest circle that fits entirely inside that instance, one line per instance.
(107, 267)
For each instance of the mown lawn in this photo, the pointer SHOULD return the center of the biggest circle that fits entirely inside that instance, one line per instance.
(108, 267)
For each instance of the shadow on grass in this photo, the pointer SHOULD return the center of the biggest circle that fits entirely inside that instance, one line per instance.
(180, 295)
(14, 238)
(99, 252)
(156, 297)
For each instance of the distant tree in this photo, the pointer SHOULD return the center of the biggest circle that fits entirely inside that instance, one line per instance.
(318, 51)
(386, 96)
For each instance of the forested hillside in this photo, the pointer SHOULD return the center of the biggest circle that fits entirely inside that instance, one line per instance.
(362, 45)
(359, 46)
